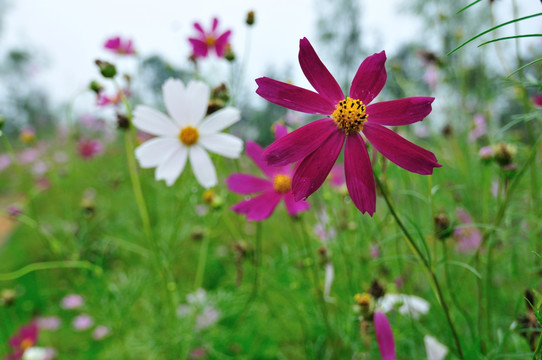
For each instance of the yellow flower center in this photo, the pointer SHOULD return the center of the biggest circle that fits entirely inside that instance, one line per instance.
(210, 41)
(189, 135)
(282, 183)
(26, 344)
(349, 115)
(208, 196)
(363, 299)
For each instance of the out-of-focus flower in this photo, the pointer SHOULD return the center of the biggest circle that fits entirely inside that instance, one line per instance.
(537, 99)
(100, 332)
(384, 336)
(408, 304)
(48, 322)
(183, 135)
(276, 187)
(24, 339)
(88, 148)
(14, 210)
(27, 134)
(480, 127)
(207, 318)
(328, 281)
(92, 123)
(29, 155)
(120, 46)
(430, 77)
(486, 153)
(60, 157)
(208, 40)
(317, 145)
(39, 168)
(82, 322)
(336, 176)
(434, 349)
(39, 353)
(375, 251)
(468, 237)
(5, 161)
(422, 131)
(72, 301)
(197, 297)
(105, 100)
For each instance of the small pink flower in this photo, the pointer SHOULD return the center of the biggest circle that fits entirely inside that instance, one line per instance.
(5, 161)
(468, 237)
(430, 77)
(72, 301)
(14, 210)
(91, 122)
(271, 190)
(100, 332)
(480, 127)
(88, 148)
(120, 46)
(537, 99)
(316, 146)
(105, 100)
(24, 339)
(208, 40)
(375, 251)
(486, 152)
(384, 336)
(29, 155)
(82, 322)
(28, 134)
(48, 322)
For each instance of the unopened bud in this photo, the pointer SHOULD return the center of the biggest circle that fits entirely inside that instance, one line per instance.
(250, 18)
(229, 55)
(443, 229)
(96, 87)
(107, 69)
(123, 122)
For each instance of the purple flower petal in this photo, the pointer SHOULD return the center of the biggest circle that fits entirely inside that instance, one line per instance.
(280, 131)
(317, 73)
(312, 171)
(293, 97)
(299, 143)
(198, 27)
(215, 24)
(255, 152)
(400, 112)
(402, 152)
(258, 208)
(293, 206)
(369, 79)
(384, 336)
(199, 48)
(248, 184)
(359, 174)
(221, 43)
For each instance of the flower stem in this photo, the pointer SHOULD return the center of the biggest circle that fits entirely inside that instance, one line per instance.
(429, 271)
(201, 263)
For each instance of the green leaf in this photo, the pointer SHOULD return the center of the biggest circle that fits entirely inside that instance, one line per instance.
(465, 266)
(468, 6)
(526, 65)
(510, 37)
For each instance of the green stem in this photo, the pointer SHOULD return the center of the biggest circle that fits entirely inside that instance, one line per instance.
(257, 258)
(429, 271)
(201, 263)
(49, 265)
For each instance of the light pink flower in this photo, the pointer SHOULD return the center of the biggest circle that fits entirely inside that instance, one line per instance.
(72, 301)
(5, 161)
(207, 318)
(100, 332)
(430, 77)
(29, 155)
(208, 40)
(88, 148)
(14, 210)
(317, 145)
(105, 100)
(384, 336)
(82, 322)
(48, 322)
(480, 127)
(336, 176)
(271, 190)
(468, 237)
(486, 152)
(120, 46)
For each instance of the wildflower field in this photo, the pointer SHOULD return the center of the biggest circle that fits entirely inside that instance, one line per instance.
(363, 204)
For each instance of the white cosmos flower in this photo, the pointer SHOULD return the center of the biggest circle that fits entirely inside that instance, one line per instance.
(434, 349)
(408, 304)
(185, 134)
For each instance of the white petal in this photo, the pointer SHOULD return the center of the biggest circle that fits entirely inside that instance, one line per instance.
(173, 166)
(155, 151)
(219, 120)
(154, 122)
(434, 349)
(202, 166)
(176, 102)
(414, 306)
(197, 99)
(223, 144)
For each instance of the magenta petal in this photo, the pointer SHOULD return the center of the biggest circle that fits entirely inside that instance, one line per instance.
(198, 27)
(318, 75)
(299, 143)
(359, 174)
(293, 206)
(258, 208)
(199, 48)
(280, 131)
(255, 152)
(221, 43)
(293, 97)
(215, 24)
(248, 184)
(384, 336)
(311, 173)
(370, 78)
(400, 112)
(402, 152)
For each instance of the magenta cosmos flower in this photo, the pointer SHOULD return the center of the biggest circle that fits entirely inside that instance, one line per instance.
(120, 46)
(26, 337)
(277, 186)
(317, 145)
(207, 40)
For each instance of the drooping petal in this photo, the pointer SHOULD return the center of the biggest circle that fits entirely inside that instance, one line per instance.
(402, 152)
(219, 120)
(370, 78)
(293, 206)
(221, 43)
(359, 174)
(154, 122)
(384, 336)
(313, 170)
(280, 131)
(293, 97)
(202, 166)
(199, 47)
(247, 184)
(400, 112)
(223, 144)
(258, 208)
(197, 98)
(299, 143)
(174, 93)
(318, 75)
(172, 167)
(154, 151)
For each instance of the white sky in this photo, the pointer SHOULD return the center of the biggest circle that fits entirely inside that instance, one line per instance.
(71, 33)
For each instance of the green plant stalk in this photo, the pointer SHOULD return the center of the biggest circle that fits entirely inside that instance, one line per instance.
(202, 260)
(427, 266)
(50, 265)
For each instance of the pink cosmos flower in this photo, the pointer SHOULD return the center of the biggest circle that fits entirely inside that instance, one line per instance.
(272, 190)
(100, 332)
(384, 336)
(336, 176)
(82, 322)
(5, 161)
(72, 301)
(468, 237)
(207, 40)
(480, 127)
(317, 145)
(105, 100)
(88, 148)
(120, 46)
(26, 337)
(48, 322)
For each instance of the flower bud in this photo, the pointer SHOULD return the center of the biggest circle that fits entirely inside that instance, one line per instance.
(96, 87)
(250, 18)
(123, 122)
(229, 55)
(107, 69)
(443, 229)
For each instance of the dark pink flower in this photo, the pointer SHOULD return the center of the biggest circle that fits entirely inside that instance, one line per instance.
(26, 337)
(88, 148)
(120, 46)
(537, 99)
(105, 100)
(317, 145)
(207, 40)
(271, 190)
(468, 237)
(384, 336)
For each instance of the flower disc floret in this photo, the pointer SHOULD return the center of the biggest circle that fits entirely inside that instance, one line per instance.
(282, 183)
(189, 135)
(350, 115)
